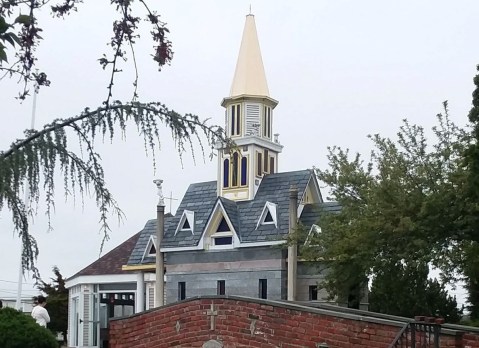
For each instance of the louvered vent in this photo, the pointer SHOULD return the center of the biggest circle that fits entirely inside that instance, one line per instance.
(252, 119)
(86, 318)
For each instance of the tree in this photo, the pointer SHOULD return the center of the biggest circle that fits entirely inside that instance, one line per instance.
(32, 163)
(18, 330)
(57, 298)
(471, 203)
(402, 207)
(405, 290)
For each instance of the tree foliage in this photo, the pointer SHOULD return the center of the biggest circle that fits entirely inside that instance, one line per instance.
(57, 303)
(404, 206)
(405, 290)
(19, 330)
(30, 164)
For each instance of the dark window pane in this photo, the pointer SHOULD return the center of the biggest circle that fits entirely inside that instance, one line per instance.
(220, 287)
(226, 173)
(264, 121)
(233, 122)
(271, 165)
(234, 169)
(266, 159)
(186, 225)
(263, 288)
(152, 250)
(268, 217)
(268, 126)
(181, 291)
(223, 226)
(244, 171)
(223, 240)
(259, 164)
(313, 292)
(238, 119)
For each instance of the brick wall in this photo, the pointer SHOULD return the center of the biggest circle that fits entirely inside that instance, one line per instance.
(243, 322)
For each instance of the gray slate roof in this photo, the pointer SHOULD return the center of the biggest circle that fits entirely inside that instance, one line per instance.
(311, 212)
(139, 249)
(244, 215)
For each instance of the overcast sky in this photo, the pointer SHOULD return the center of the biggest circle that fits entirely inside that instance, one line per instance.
(340, 69)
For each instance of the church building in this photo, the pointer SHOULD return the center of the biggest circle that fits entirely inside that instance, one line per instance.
(228, 236)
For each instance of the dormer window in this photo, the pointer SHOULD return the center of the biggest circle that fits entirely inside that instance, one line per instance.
(187, 222)
(235, 124)
(268, 216)
(314, 232)
(222, 238)
(150, 250)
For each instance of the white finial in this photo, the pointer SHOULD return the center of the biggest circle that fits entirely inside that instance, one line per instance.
(276, 136)
(249, 8)
(161, 201)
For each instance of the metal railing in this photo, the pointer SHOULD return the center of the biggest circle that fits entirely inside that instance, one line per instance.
(423, 332)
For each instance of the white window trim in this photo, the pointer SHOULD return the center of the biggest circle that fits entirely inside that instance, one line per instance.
(187, 215)
(271, 208)
(314, 229)
(146, 252)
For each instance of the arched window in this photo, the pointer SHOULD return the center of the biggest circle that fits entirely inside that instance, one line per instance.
(244, 171)
(234, 169)
(226, 173)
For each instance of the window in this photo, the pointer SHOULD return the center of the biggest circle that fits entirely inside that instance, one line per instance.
(235, 119)
(181, 291)
(263, 288)
(244, 171)
(187, 222)
(267, 122)
(259, 164)
(220, 287)
(223, 240)
(234, 170)
(223, 237)
(271, 165)
(223, 226)
(266, 160)
(313, 292)
(226, 173)
(152, 251)
(268, 216)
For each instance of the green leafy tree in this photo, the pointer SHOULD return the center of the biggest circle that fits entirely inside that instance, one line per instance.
(405, 290)
(18, 330)
(402, 206)
(57, 299)
(471, 207)
(33, 162)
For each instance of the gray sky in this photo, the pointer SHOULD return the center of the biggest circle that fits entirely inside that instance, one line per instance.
(340, 70)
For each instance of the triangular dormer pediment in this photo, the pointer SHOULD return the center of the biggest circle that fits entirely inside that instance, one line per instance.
(187, 222)
(314, 231)
(150, 250)
(268, 215)
(220, 232)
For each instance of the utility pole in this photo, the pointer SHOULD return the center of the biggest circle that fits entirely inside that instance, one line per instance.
(18, 302)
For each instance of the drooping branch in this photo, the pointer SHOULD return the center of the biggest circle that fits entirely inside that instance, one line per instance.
(31, 162)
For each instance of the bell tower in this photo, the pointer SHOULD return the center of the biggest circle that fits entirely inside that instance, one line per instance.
(249, 123)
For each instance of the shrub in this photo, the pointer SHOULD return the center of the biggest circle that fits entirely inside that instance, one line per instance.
(18, 330)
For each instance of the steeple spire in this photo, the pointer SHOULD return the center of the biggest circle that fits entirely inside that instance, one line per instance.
(249, 78)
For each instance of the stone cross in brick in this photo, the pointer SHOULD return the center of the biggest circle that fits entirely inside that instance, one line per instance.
(212, 313)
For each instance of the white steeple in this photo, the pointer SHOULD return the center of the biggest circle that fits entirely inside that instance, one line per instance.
(249, 123)
(249, 78)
